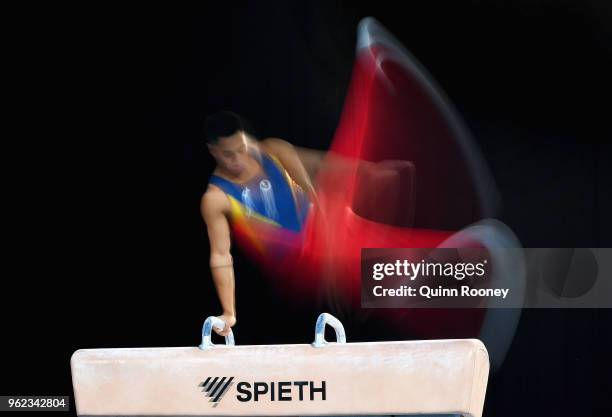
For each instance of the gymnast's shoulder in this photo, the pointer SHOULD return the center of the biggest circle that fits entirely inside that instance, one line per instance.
(276, 146)
(213, 202)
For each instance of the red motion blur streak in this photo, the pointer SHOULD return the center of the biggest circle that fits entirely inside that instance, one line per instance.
(388, 115)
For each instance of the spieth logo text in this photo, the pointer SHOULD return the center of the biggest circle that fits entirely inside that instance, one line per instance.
(217, 387)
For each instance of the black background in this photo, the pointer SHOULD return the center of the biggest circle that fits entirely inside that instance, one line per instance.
(104, 169)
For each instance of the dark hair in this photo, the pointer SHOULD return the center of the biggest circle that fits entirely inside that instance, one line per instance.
(222, 124)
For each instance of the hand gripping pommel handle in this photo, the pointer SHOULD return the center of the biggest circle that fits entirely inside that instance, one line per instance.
(207, 328)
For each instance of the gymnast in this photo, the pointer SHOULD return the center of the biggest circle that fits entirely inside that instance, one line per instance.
(304, 215)
(264, 183)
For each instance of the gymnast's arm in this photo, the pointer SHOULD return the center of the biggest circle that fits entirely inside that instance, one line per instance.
(301, 163)
(214, 208)
(304, 164)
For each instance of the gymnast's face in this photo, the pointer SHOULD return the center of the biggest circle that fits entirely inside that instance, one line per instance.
(230, 153)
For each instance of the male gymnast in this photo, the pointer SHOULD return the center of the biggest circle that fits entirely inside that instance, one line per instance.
(256, 186)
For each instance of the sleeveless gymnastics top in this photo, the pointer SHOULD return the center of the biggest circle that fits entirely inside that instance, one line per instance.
(273, 197)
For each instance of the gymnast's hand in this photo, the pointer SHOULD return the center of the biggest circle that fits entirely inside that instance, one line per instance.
(230, 320)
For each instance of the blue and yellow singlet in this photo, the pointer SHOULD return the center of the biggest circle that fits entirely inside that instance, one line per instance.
(272, 197)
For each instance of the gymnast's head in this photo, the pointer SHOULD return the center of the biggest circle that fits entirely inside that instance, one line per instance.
(228, 139)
